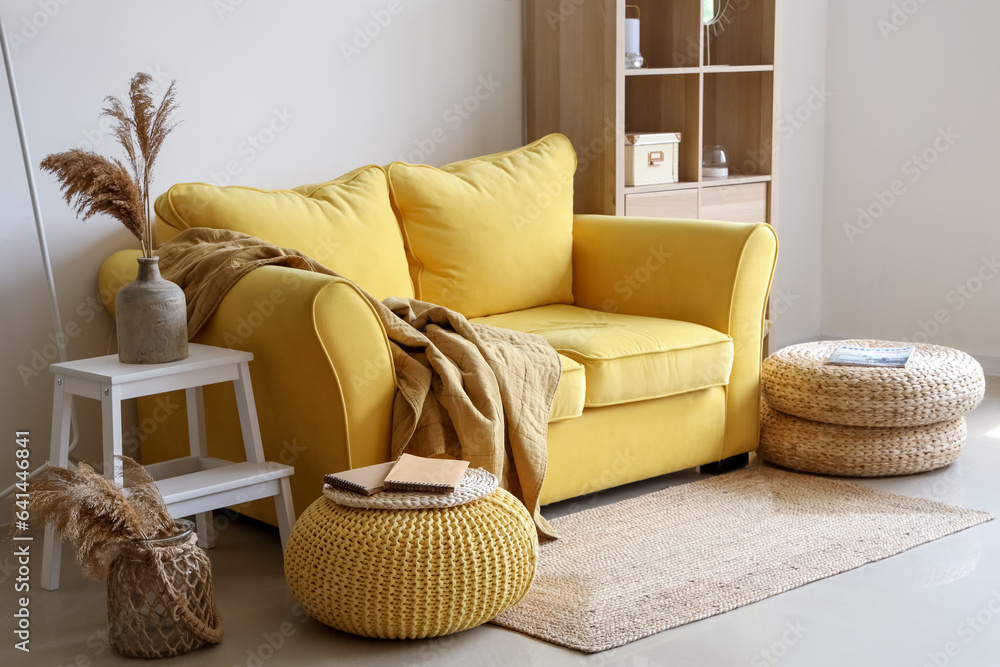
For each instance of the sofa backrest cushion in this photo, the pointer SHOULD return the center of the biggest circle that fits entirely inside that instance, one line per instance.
(347, 224)
(493, 234)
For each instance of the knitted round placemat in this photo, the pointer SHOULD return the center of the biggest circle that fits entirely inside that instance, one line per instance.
(476, 483)
(938, 384)
(857, 451)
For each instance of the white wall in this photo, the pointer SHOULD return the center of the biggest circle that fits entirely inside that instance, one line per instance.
(918, 86)
(796, 293)
(233, 70)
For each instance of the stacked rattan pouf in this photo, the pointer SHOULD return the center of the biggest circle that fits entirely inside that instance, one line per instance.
(400, 565)
(866, 421)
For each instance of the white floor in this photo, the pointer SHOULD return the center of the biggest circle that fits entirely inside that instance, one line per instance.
(938, 604)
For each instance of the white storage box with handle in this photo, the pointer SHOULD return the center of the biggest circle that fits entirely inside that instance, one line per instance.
(652, 158)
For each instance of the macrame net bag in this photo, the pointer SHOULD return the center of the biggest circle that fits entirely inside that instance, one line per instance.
(160, 601)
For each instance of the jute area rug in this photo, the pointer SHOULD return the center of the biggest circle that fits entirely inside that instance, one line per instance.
(625, 571)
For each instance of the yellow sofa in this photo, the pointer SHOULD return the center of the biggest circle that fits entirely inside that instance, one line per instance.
(658, 323)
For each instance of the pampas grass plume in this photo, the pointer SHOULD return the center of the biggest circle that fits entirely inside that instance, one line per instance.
(97, 516)
(93, 184)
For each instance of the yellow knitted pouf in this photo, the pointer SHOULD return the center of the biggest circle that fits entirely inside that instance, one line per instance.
(406, 574)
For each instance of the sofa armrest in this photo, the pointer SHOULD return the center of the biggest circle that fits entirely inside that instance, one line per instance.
(717, 274)
(322, 368)
(688, 270)
(322, 372)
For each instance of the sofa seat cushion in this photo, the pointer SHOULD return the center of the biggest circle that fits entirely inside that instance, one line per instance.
(347, 224)
(628, 358)
(571, 394)
(492, 234)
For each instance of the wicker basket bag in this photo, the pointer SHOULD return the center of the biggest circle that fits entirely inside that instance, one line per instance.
(160, 600)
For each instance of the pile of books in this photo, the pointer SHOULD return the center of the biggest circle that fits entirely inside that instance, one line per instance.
(409, 473)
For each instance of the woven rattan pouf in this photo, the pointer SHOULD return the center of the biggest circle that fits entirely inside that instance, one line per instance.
(866, 421)
(411, 573)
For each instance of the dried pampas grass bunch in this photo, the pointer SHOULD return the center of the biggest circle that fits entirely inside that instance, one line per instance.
(97, 516)
(92, 183)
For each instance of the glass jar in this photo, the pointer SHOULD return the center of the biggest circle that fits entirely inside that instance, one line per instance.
(715, 163)
(160, 600)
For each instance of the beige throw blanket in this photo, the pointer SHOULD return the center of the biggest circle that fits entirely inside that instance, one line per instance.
(464, 390)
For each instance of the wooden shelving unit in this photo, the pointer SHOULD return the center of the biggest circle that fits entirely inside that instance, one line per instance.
(576, 83)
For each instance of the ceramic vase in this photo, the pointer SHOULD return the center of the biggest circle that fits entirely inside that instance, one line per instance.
(151, 314)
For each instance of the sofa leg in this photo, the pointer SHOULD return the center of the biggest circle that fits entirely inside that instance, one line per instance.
(726, 465)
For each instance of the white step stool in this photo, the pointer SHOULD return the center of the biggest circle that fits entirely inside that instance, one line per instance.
(195, 484)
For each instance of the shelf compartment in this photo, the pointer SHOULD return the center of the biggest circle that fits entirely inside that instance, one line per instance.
(743, 36)
(668, 104)
(670, 31)
(739, 117)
